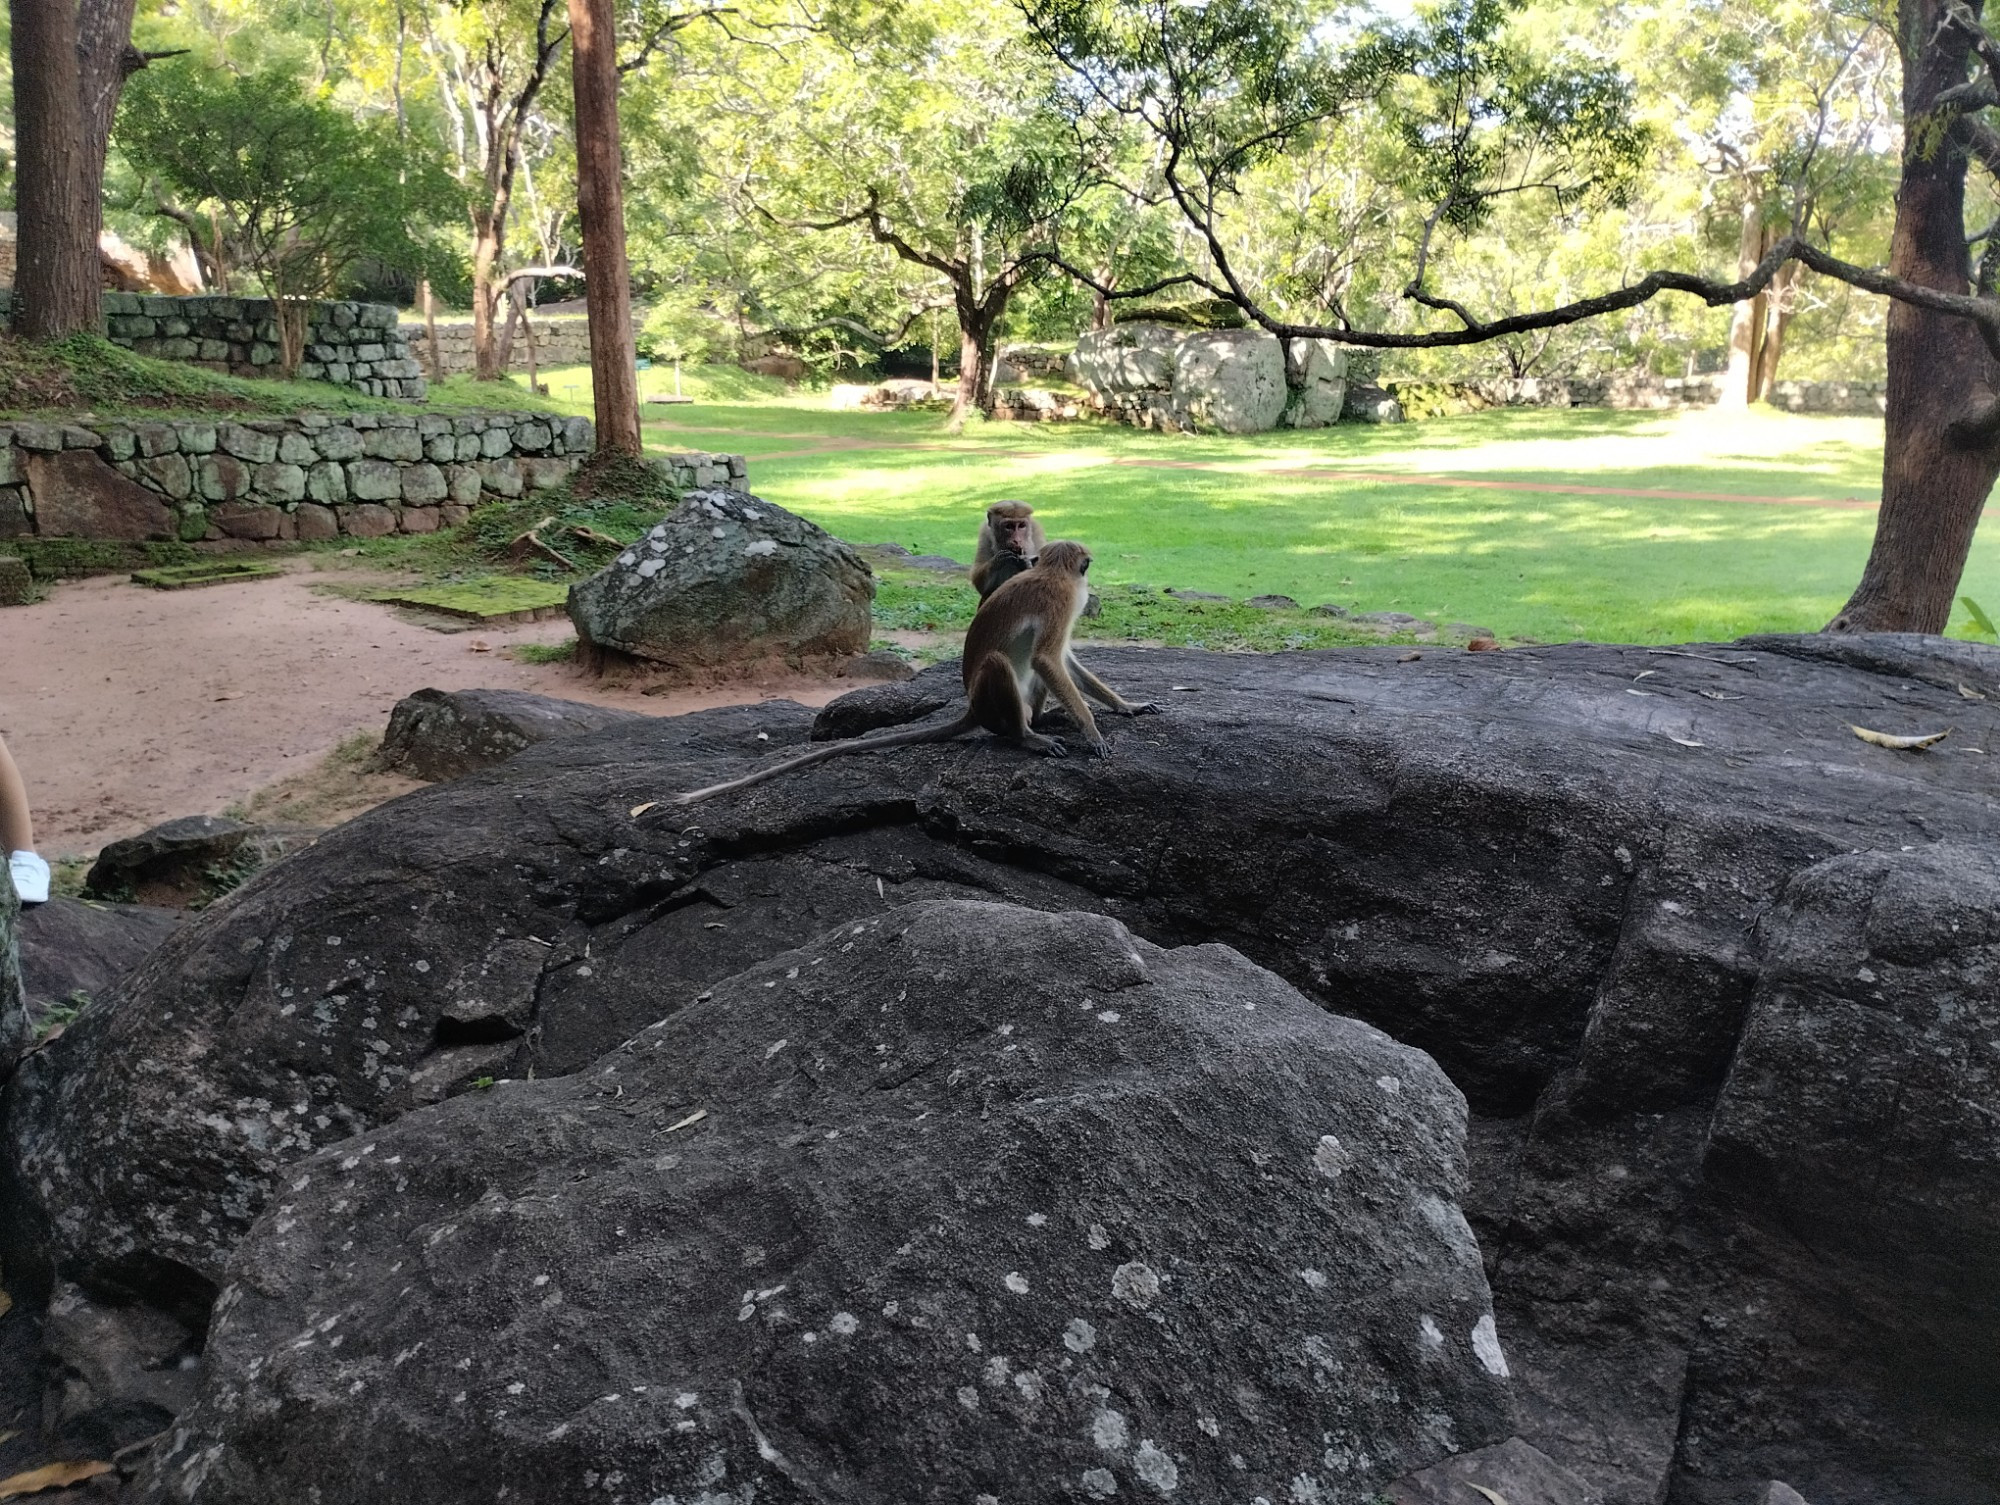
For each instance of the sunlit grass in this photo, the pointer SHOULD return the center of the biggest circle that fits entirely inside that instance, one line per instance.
(1224, 515)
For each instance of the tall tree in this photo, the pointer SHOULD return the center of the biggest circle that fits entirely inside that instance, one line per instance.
(299, 191)
(607, 276)
(494, 59)
(70, 61)
(1230, 82)
(935, 137)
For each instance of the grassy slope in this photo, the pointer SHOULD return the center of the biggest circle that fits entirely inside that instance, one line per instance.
(89, 376)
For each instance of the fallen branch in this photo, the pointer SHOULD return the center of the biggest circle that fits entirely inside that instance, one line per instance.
(532, 543)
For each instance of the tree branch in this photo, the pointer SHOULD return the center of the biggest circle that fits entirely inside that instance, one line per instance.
(884, 341)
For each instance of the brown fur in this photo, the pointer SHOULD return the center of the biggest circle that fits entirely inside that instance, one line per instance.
(1010, 540)
(1017, 653)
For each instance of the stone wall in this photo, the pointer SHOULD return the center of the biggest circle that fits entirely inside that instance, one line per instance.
(349, 344)
(562, 341)
(304, 478)
(1422, 398)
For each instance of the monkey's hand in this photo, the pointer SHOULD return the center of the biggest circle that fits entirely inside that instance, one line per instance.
(1099, 748)
(1141, 708)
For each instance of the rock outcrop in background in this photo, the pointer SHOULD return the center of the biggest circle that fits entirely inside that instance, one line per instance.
(1229, 381)
(1712, 974)
(727, 581)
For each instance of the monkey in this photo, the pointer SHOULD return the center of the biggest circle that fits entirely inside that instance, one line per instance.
(1009, 541)
(1017, 653)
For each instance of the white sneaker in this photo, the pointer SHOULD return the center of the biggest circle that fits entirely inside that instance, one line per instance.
(31, 877)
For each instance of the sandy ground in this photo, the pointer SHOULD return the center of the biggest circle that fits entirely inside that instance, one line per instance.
(126, 706)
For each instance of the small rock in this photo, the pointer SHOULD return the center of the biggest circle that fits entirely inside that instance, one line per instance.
(1180, 595)
(184, 862)
(443, 734)
(1273, 603)
(883, 665)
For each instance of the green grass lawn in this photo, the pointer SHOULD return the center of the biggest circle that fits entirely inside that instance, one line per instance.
(1369, 528)
(1733, 523)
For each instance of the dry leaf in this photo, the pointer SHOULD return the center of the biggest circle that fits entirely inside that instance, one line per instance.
(693, 1118)
(230, 695)
(1482, 645)
(1899, 744)
(1642, 674)
(1492, 1494)
(1969, 693)
(763, 736)
(714, 925)
(10, 1434)
(638, 810)
(480, 645)
(1408, 657)
(1642, 694)
(49, 1476)
(1716, 695)
(1184, 689)
(1684, 741)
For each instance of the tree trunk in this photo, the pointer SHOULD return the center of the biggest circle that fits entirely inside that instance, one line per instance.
(1746, 321)
(1781, 303)
(600, 195)
(56, 281)
(1933, 484)
(489, 231)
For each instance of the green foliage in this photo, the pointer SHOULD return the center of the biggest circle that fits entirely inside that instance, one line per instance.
(295, 190)
(1982, 625)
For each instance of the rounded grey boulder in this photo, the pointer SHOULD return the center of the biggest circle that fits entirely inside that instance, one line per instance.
(961, 1202)
(727, 580)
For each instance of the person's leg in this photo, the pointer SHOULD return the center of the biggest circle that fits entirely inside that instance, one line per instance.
(17, 828)
(17, 835)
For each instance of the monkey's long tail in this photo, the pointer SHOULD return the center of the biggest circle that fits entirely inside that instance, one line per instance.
(944, 733)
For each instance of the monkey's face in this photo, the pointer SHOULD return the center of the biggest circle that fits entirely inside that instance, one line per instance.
(1012, 535)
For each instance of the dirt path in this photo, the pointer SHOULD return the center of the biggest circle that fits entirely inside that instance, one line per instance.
(125, 706)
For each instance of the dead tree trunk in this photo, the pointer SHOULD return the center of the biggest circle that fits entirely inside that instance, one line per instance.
(600, 194)
(56, 281)
(1746, 320)
(1940, 457)
(1781, 302)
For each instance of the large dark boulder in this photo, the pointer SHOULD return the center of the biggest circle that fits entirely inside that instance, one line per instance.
(727, 582)
(15, 1029)
(443, 734)
(1586, 880)
(74, 949)
(961, 1201)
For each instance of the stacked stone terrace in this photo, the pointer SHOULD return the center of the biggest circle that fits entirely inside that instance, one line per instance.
(350, 344)
(311, 477)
